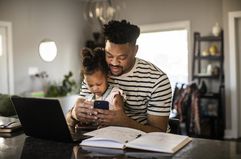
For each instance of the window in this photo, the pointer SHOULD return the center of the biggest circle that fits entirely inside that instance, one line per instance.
(168, 50)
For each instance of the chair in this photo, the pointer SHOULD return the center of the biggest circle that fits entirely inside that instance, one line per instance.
(174, 124)
(174, 121)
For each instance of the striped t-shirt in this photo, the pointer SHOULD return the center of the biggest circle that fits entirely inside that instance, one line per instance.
(147, 89)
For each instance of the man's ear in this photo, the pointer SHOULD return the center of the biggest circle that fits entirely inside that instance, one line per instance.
(136, 49)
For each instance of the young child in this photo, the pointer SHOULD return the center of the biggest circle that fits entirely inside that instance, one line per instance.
(94, 71)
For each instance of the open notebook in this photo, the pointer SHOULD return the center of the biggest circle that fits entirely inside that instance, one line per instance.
(123, 137)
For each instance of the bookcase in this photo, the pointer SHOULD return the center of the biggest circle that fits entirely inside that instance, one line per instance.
(207, 70)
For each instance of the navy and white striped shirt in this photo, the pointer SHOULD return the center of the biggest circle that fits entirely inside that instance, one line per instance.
(147, 89)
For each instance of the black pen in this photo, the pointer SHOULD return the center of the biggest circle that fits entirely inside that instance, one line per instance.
(139, 135)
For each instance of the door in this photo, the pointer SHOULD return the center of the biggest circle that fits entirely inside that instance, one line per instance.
(6, 73)
(238, 44)
(235, 73)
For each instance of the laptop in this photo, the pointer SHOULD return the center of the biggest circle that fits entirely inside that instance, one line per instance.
(44, 118)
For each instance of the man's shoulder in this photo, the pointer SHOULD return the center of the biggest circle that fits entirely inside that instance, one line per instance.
(147, 65)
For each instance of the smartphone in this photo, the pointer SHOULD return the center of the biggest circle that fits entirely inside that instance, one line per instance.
(101, 104)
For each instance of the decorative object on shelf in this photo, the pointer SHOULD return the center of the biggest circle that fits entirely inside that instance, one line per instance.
(213, 50)
(38, 83)
(215, 71)
(209, 69)
(202, 87)
(216, 30)
(205, 53)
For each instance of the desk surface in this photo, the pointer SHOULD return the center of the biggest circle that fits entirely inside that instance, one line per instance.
(24, 147)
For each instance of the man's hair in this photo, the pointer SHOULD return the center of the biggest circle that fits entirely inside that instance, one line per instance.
(121, 32)
(92, 61)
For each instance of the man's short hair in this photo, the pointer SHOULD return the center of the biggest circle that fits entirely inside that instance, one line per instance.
(121, 32)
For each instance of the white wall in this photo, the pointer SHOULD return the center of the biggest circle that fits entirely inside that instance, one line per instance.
(33, 21)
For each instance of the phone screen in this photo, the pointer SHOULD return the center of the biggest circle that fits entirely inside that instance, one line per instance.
(101, 104)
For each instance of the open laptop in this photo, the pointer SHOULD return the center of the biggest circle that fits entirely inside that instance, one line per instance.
(43, 118)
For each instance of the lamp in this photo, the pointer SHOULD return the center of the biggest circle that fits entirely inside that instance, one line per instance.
(102, 10)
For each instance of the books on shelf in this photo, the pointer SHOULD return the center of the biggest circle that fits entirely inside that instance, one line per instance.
(9, 124)
(123, 137)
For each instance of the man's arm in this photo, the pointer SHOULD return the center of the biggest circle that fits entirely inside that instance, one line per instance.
(154, 123)
(118, 117)
(113, 117)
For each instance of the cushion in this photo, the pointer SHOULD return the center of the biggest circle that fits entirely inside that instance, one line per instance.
(6, 106)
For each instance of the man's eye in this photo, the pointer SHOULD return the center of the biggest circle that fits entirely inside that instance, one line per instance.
(122, 57)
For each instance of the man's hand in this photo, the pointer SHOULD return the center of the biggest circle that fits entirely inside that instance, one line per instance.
(112, 117)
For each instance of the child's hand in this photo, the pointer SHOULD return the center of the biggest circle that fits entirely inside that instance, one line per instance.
(83, 110)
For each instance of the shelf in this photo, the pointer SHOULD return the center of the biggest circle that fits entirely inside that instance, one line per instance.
(214, 117)
(210, 95)
(206, 76)
(211, 104)
(211, 58)
(210, 38)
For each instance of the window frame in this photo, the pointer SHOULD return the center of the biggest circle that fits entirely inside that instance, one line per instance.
(157, 27)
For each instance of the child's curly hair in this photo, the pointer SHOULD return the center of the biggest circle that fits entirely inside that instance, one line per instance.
(121, 32)
(93, 60)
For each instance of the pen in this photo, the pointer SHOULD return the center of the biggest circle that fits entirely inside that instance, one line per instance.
(139, 135)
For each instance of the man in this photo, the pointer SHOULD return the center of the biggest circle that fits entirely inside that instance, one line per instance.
(147, 88)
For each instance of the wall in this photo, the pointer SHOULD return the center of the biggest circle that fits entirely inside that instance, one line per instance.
(33, 21)
(202, 14)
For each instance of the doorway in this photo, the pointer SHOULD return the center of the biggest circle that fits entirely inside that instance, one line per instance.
(6, 64)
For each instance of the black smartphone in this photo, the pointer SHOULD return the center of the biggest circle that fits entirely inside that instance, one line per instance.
(101, 104)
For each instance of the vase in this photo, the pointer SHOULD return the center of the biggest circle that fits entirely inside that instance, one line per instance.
(216, 30)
